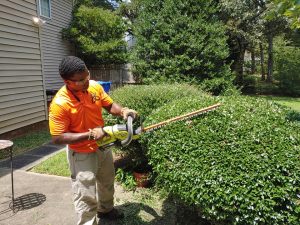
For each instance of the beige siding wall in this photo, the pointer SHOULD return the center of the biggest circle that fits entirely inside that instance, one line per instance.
(22, 97)
(52, 46)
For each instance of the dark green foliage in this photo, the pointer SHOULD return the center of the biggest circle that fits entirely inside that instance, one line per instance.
(98, 35)
(181, 41)
(254, 85)
(288, 69)
(239, 164)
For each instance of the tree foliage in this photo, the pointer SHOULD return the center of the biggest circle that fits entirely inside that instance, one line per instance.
(97, 34)
(181, 40)
(287, 67)
(129, 11)
(290, 9)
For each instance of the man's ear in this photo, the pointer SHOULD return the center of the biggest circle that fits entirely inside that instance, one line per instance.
(66, 82)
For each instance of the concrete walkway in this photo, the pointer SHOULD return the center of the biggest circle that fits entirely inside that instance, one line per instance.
(47, 200)
(39, 199)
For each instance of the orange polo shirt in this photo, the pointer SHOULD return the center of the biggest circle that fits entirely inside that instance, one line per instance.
(77, 114)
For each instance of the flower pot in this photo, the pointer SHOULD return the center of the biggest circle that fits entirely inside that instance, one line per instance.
(142, 179)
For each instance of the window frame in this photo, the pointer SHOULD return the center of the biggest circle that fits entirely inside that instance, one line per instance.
(40, 10)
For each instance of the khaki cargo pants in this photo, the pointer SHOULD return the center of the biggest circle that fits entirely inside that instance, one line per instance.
(92, 183)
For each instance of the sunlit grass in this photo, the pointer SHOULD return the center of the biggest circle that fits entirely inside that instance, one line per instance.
(293, 103)
(55, 165)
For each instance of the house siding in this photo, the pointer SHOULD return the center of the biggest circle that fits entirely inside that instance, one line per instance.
(22, 94)
(52, 46)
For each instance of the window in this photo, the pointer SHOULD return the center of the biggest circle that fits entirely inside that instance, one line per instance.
(45, 8)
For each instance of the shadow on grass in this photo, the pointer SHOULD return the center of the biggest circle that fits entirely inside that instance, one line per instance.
(169, 214)
(137, 213)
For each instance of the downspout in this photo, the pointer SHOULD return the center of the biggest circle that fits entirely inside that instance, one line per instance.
(42, 64)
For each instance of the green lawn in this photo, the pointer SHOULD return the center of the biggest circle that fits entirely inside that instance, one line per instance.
(293, 103)
(56, 165)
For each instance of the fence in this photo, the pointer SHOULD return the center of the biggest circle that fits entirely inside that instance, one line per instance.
(118, 75)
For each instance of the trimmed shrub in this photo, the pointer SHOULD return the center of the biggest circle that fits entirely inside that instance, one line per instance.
(146, 98)
(239, 164)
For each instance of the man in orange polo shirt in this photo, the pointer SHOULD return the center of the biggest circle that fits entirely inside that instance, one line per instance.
(75, 119)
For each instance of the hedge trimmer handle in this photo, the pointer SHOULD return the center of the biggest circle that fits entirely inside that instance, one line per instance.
(129, 130)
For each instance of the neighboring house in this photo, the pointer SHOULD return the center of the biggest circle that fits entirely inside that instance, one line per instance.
(30, 53)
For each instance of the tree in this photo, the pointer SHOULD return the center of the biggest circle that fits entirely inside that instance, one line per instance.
(272, 27)
(97, 34)
(181, 40)
(129, 10)
(244, 28)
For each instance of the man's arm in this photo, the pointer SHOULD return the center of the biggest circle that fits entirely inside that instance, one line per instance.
(117, 110)
(114, 109)
(70, 138)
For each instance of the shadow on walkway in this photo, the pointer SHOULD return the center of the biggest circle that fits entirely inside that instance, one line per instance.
(24, 202)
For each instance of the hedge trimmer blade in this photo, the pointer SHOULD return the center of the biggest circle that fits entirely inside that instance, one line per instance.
(182, 117)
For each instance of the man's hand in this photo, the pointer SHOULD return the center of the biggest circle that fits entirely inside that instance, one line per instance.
(96, 133)
(125, 112)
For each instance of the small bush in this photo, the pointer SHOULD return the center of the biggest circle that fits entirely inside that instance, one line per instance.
(238, 164)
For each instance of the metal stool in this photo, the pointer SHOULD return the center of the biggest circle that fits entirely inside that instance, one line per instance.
(6, 145)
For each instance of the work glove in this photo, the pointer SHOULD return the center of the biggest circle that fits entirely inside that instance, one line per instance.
(125, 112)
(96, 133)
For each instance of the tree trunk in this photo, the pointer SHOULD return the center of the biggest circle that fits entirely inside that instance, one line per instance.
(253, 67)
(238, 64)
(270, 58)
(262, 62)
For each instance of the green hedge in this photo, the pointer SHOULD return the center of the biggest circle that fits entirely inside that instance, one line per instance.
(239, 164)
(146, 98)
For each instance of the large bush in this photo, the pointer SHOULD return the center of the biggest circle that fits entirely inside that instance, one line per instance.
(181, 41)
(239, 164)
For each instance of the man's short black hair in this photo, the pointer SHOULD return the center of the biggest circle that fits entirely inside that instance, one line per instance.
(71, 65)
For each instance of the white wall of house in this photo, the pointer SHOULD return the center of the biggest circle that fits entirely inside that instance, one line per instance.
(53, 48)
(22, 96)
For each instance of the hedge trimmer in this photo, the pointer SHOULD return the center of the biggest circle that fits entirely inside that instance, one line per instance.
(123, 134)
